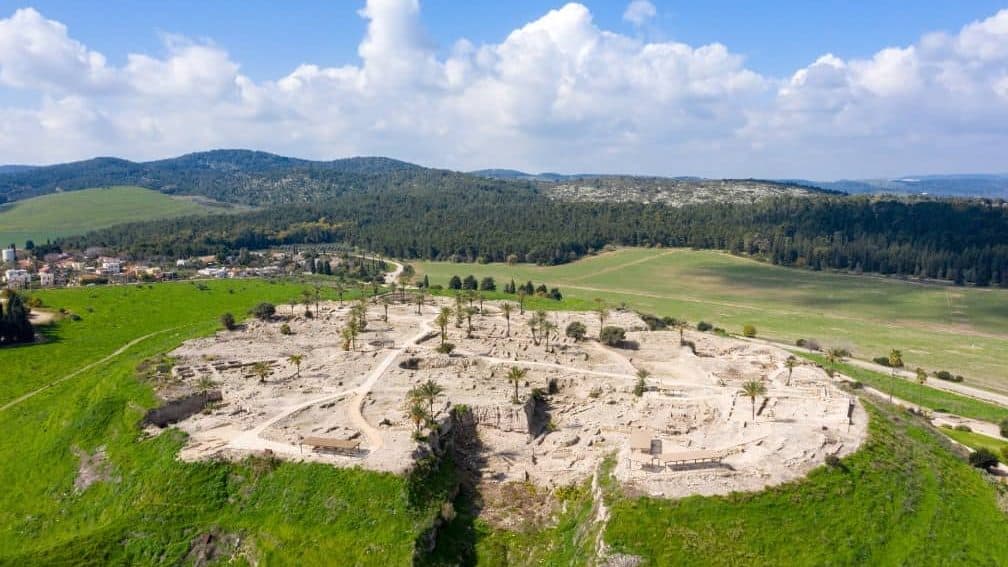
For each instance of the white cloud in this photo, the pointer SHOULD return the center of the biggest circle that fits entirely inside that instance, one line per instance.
(639, 12)
(558, 93)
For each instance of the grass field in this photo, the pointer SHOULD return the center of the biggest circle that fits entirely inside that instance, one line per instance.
(152, 506)
(963, 330)
(76, 212)
(977, 440)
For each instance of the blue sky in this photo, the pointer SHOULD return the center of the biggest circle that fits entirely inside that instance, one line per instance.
(822, 89)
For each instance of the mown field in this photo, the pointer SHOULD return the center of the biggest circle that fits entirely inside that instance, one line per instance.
(151, 507)
(963, 330)
(76, 212)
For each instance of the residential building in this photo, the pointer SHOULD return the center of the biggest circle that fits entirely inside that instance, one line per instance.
(17, 279)
(9, 255)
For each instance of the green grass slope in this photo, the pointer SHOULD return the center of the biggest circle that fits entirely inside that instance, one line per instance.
(902, 499)
(963, 330)
(76, 212)
(151, 507)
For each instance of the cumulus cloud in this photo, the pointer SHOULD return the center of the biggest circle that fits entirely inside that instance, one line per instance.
(558, 93)
(639, 12)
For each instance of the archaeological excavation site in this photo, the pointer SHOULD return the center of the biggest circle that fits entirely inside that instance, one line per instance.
(680, 413)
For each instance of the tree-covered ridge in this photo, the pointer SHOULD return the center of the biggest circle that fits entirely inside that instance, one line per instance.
(443, 216)
(234, 176)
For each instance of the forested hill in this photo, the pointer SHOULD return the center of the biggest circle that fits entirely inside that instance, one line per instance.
(234, 176)
(450, 218)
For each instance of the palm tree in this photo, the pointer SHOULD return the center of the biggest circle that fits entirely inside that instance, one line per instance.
(790, 363)
(547, 328)
(386, 301)
(834, 355)
(521, 301)
(481, 298)
(419, 299)
(459, 316)
(921, 379)
(681, 325)
(603, 312)
(895, 361)
(350, 333)
(469, 312)
(340, 290)
(506, 309)
(442, 321)
(516, 376)
(262, 370)
(296, 360)
(752, 389)
(641, 384)
(417, 413)
(318, 294)
(429, 391)
(306, 298)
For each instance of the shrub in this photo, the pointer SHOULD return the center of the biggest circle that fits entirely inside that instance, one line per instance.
(704, 326)
(653, 322)
(612, 336)
(833, 461)
(800, 342)
(639, 387)
(881, 360)
(983, 458)
(856, 385)
(943, 375)
(308, 314)
(813, 345)
(576, 330)
(552, 386)
(446, 348)
(228, 321)
(749, 330)
(1004, 427)
(264, 311)
(965, 428)
(285, 329)
(720, 332)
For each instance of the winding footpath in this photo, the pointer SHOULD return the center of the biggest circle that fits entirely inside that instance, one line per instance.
(82, 369)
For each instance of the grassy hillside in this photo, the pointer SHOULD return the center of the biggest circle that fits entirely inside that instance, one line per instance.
(903, 499)
(64, 214)
(964, 330)
(151, 507)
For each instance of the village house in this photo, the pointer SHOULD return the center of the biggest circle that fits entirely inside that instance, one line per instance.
(17, 279)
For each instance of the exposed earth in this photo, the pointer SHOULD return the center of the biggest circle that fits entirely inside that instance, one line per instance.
(691, 403)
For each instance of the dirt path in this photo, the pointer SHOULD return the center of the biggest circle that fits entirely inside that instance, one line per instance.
(119, 351)
(953, 387)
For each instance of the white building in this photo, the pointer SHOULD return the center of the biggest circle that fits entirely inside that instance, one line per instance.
(9, 255)
(110, 267)
(17, 278)
(47, 279)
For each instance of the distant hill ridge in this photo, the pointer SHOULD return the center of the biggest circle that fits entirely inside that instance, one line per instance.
(238, 176)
